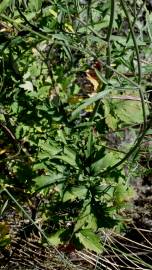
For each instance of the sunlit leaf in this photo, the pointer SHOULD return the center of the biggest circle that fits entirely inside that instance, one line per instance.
(107, 161)
(44, 181)
(75, 192)
(27, 86)
(68, 160)
(69, 157)
(35, 5)
(89, 144)
(129, 111)
(88, 102)
(4, 4)
(55, 238)
(102, 79)
(123, 193)
(89, 240)
(51, 149)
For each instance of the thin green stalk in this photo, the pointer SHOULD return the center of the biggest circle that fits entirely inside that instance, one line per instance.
(68, 11)
(134, 40)
(130, 152)
(89, 18)
(77, 5)
(138, 60)
(89, 15)
(91, 29)
(26, 20)
(135, 8)
(108, 56)
(74, 47)
(120, 74)
(2, 74)
(21, 27)
(108, 72)
(66, 262)
(133, 24)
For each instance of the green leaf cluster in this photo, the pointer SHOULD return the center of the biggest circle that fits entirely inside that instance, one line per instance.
(58, 142)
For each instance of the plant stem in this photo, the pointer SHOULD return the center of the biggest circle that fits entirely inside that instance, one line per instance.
(108, 72)
(108, 56)
(138, 60)
(131, 151)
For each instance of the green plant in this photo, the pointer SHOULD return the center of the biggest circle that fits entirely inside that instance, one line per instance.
(73, 155)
